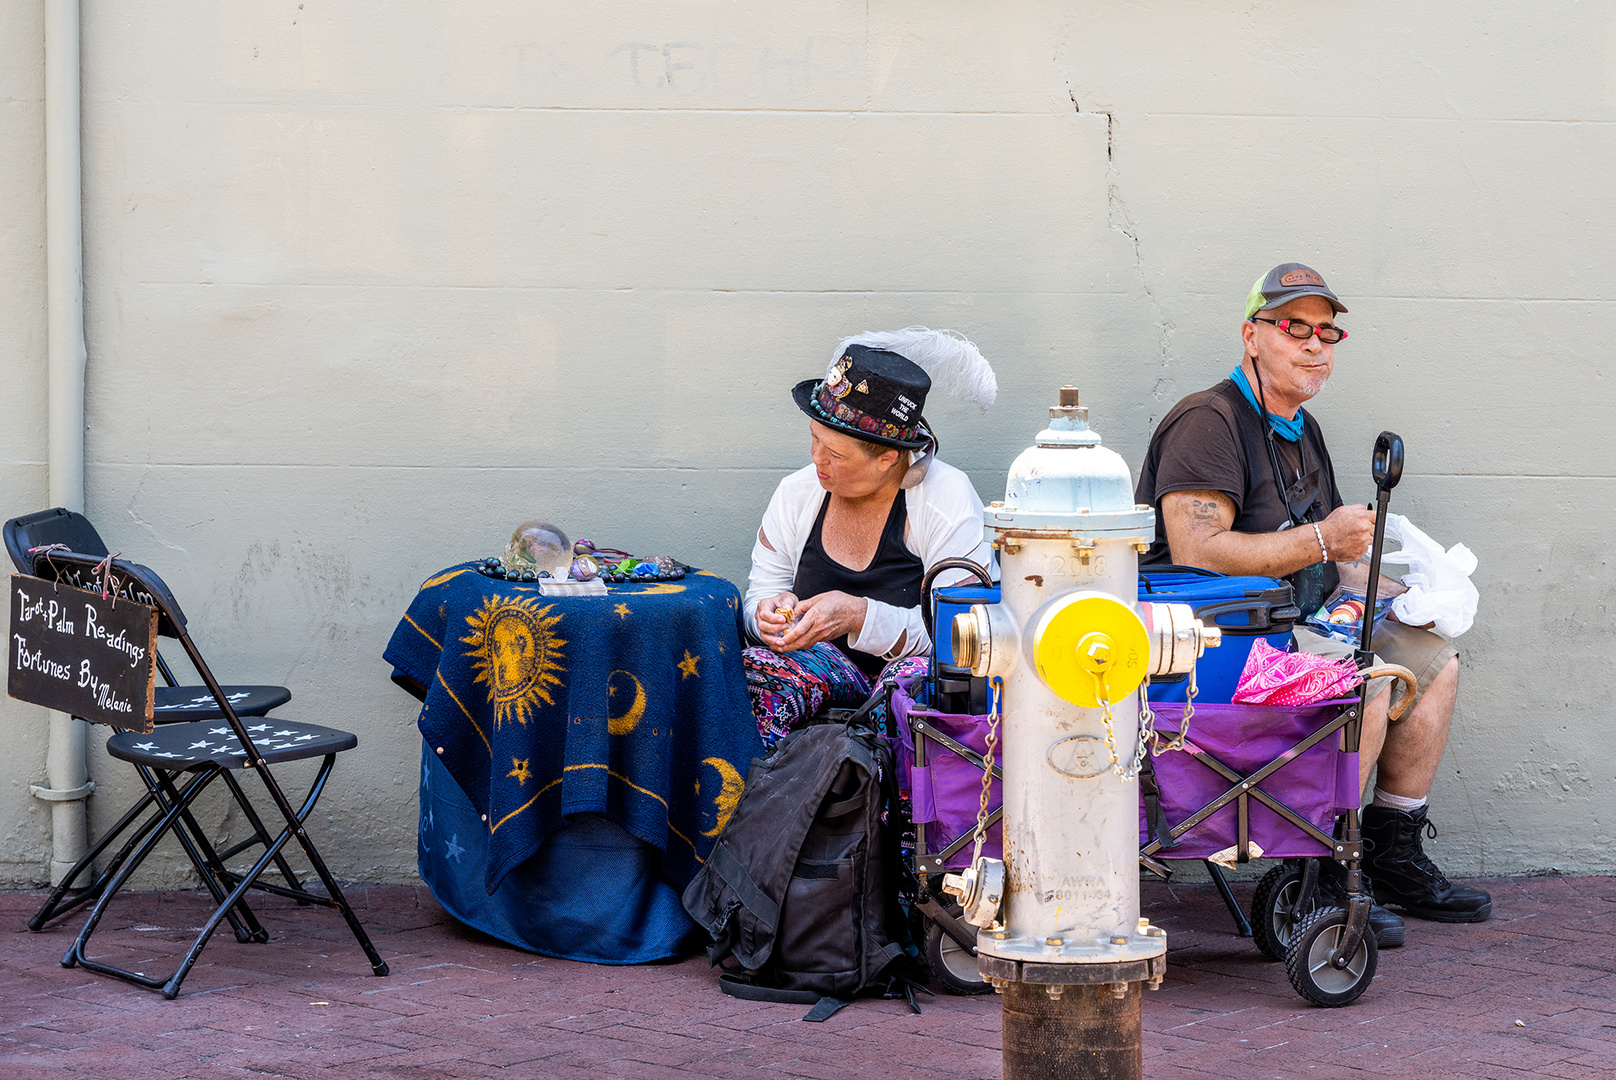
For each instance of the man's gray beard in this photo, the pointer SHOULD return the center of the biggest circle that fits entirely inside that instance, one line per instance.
(1315, 385)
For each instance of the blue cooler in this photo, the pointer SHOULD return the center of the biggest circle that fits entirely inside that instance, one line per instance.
(1244, 608)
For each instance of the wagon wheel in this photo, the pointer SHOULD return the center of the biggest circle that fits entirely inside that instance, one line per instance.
(1273, 910)
(1307, 961)
(951, 962)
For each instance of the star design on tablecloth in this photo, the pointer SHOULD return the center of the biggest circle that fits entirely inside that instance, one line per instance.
(520, 771)
(688, 666)
(621, 611)
(454, 850)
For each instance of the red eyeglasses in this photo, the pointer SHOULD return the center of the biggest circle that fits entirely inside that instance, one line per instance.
(1301, 331)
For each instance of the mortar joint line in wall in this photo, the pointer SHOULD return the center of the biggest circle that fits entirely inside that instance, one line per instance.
(1121, 222)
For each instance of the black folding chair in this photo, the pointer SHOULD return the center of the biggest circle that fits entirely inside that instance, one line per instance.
(174, 704)
(180, 761)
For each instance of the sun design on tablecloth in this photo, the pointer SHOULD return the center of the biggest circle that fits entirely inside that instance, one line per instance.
(515, 651)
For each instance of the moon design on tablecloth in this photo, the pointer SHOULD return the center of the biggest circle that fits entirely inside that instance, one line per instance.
(724, 802)
(658, 589)
(516, 653)
(622, 725)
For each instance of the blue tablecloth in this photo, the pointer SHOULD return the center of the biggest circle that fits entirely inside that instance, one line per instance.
(592, 892)
(631, 705)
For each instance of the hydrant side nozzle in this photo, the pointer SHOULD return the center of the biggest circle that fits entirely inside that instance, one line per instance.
(967, 639)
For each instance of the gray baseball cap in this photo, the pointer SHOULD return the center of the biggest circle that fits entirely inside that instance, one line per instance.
(1285, 283)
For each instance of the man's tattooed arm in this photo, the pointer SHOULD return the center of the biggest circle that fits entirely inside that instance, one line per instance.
(1200, 532)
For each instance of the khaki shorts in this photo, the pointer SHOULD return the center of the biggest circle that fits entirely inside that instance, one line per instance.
(1421, 651)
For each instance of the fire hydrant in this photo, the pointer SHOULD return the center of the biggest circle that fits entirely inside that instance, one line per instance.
(1066, 648)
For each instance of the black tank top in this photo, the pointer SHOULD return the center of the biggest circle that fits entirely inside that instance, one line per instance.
(893, 576)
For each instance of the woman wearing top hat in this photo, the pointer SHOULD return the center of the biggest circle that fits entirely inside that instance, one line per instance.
(834, 594)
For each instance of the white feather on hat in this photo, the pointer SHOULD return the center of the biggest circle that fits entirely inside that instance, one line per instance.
(956, 366)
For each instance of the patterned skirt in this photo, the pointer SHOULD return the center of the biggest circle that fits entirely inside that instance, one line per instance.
(788, 689)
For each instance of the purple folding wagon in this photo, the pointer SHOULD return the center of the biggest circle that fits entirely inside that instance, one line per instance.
(940, 761)
(1265, 781)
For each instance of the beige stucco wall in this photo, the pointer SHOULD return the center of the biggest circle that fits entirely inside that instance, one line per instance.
(367, 285)
(24, 822)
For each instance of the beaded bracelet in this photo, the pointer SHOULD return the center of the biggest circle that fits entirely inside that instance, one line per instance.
(1323, 551)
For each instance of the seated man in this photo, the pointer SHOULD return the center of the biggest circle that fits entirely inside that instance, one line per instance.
(1242, 484)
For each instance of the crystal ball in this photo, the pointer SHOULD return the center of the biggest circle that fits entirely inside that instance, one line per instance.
(538, 545)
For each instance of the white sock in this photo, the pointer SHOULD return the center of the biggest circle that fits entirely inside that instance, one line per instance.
(1396, 802)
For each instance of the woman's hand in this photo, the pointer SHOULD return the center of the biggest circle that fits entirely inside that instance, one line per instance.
(822, 618)
(774, 617)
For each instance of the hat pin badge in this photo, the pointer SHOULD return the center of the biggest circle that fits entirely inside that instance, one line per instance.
(837, 383)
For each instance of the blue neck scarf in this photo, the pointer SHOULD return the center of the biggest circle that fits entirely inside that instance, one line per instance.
(1289, 430)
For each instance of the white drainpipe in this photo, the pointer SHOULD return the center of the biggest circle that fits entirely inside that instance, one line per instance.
(67, 777)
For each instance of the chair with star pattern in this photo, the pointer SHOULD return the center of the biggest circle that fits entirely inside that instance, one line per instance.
(174, 703)
(180, 761)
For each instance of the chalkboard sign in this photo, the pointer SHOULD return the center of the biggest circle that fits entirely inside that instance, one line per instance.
(72, 651)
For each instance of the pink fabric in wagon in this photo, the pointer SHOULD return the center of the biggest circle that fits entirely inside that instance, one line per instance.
(1272, 677)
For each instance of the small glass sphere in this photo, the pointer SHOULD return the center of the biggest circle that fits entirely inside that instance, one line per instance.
(538, 545)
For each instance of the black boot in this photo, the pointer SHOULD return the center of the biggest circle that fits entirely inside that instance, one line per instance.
(1386, 924)
(1406, 877)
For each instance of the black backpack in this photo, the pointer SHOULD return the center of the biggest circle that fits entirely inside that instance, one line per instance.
(801, 888)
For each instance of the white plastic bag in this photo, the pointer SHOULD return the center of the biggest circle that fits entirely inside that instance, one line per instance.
(1439, 588)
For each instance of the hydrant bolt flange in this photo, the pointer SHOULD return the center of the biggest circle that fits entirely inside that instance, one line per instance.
(998, 969)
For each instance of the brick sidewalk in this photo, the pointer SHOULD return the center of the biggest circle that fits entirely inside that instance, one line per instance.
(1531, 993)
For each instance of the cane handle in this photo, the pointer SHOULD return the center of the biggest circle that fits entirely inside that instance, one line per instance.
(1403, 675)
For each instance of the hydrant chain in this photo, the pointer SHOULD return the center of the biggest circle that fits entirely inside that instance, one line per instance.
(1126, 772)
(987, 767)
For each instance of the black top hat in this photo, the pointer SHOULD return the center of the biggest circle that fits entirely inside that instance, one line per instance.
(871, 394)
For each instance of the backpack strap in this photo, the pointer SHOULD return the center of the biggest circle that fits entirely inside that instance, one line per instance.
(837, 809)
(824, 1007)
(827, 1008)
(724, 863)
(737, 987)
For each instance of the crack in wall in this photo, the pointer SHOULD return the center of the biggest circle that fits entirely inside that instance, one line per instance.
(134, 515)
(1121, 221)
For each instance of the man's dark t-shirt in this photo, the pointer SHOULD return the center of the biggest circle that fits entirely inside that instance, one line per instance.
(1215, 441)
